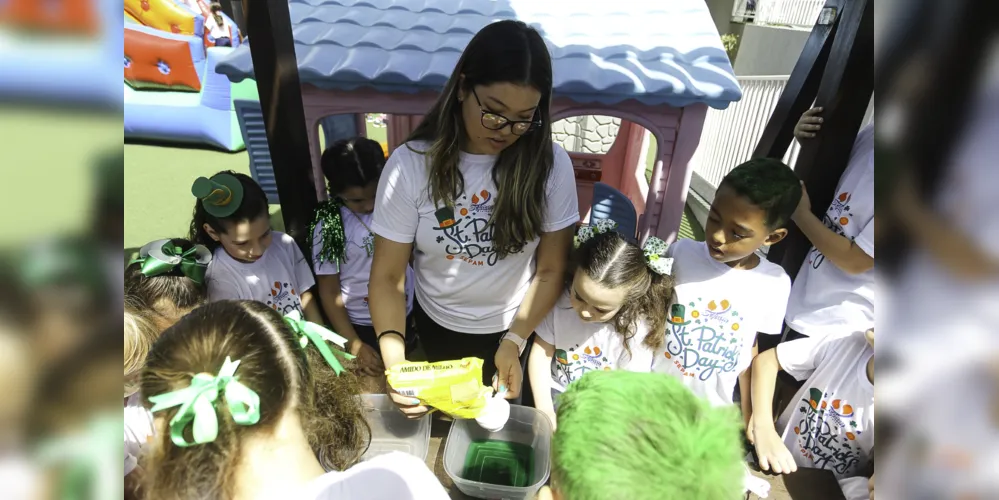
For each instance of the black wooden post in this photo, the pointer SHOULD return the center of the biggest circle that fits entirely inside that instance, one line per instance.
(275, 69)
(844, 88)
(800, 90)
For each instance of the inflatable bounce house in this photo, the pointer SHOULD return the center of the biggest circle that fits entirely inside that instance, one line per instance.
(59, 52)
(172, 92)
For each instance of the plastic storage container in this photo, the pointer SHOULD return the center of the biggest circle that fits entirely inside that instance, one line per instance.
(526, 426)
(392, 431)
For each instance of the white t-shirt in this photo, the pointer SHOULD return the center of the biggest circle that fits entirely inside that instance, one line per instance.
(830, 422)
(460, 282)
(217, 30)
(138, 430)
(393, 475)
(716, 314)
(278, 278)
(825, 300)
(581, 346)
(356, 271)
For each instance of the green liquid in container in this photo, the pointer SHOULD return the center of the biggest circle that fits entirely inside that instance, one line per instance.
(500, 462)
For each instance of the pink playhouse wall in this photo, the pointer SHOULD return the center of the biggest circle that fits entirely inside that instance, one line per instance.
(676, 133)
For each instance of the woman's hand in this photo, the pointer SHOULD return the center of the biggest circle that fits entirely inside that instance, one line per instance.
(369, 362)
(509, 373)
(771, 452)
(410, 407)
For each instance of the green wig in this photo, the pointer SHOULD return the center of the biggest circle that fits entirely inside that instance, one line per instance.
(637, 436)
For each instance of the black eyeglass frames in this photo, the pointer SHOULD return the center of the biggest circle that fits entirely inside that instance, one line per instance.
(493, 121)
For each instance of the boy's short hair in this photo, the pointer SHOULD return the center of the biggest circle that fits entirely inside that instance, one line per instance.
(769, 184)
(643, 436)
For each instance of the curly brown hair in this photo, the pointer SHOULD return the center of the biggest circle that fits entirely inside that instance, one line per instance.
(613, 262)
(272, 363)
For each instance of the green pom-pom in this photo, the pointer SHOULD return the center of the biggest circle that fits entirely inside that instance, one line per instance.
(332, 236)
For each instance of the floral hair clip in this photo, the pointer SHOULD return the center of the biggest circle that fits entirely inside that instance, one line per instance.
(197, 405)
(596, 227)
(655, 251)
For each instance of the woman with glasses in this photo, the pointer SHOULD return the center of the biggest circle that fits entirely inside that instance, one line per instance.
(487, 202)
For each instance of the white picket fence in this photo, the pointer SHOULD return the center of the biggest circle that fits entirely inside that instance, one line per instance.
(730, 135)
(796, 13)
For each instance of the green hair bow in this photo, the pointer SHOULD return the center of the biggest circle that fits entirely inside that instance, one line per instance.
(197, 405)
(162, 256)
(318, 336)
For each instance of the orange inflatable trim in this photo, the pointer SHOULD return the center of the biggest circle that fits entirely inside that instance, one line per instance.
(60, 16)
(156, 62)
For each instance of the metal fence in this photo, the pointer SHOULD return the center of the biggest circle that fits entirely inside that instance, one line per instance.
(796, 13)
(730, 135)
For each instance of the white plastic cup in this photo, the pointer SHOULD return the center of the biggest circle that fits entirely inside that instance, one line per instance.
(496, 413)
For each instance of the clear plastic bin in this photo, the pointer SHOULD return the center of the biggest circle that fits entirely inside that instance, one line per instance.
(526, 426)
(392, 431)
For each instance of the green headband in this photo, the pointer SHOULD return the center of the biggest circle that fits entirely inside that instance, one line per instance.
(318, 335)
(197, 405)
(162, 256)
(220, 196)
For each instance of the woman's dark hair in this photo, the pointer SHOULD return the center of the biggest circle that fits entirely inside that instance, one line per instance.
(271, 363)
(254, 205)
(179, 292)
(502, 52)
(613, 262)
(351, 163)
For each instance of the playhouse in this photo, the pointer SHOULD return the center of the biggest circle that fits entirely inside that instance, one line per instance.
(172, 92)
(655, 65)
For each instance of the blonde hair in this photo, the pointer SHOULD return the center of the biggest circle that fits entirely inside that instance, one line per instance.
(139, 333)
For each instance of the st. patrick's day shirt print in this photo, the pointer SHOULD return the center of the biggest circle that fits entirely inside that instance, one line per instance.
(706, 343)
(837, 218)
(465, 231)
(827, 431)
(569, 366)
(284, 298)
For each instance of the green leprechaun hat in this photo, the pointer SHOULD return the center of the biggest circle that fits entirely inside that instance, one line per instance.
(221, 195)
(445, 217)
(678, 315)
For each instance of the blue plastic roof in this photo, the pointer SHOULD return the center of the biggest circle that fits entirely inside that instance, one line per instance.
(603, 51)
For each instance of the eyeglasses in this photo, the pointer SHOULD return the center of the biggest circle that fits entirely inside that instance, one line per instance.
(493, 121)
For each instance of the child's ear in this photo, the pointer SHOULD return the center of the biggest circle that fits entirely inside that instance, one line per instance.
(211, 232)
(775, 236)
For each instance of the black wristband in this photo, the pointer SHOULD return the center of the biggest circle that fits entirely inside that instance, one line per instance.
(391, 332)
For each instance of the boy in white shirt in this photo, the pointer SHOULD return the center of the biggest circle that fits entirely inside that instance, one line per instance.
(830, 422)
(725, 292)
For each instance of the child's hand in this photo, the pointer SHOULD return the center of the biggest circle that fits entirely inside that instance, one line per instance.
(804, 207)
(870, 486)
(369, 363)
(809, 124)
(771, 452)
